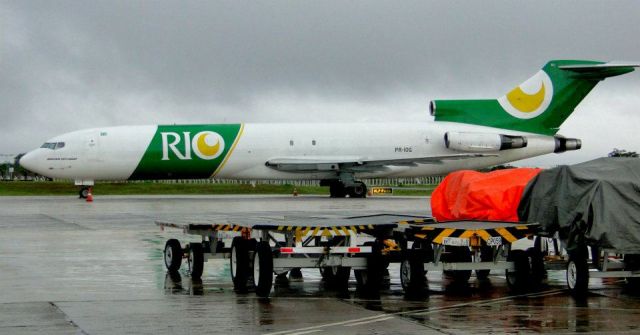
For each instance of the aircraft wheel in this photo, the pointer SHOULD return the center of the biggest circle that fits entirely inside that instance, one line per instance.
(196, 260)
(263, 269)
(337, 190)
(578, 272)
(172, 255)
(486, 255)
(239, 263)
(359, 190)
(84, 192)
(517, 279)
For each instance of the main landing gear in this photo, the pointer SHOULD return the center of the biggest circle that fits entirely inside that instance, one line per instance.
(84, 192)
(338, 189)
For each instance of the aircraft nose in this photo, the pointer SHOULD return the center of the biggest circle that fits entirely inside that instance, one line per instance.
(28, 161)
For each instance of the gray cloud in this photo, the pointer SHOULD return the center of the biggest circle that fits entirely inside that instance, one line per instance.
(71, 65)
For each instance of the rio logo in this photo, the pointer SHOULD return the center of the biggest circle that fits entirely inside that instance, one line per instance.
(206, 145)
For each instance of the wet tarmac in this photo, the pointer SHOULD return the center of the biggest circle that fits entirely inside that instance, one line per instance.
(71, 267)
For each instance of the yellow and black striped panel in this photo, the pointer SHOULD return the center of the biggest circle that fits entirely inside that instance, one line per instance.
(509, 234)
(417, 221)
(321, 230)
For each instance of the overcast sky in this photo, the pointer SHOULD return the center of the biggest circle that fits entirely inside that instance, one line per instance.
(68, 65)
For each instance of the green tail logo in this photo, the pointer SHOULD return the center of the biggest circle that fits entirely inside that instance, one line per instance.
(540, 104)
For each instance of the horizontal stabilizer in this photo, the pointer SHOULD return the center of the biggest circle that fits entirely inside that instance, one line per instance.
(602, 70)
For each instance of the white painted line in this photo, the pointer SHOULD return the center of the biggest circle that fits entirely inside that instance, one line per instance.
(418, 312)
(328, 325)
(365, 322)
(307, 332)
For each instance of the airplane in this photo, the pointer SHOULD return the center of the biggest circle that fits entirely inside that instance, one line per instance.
(466, 134)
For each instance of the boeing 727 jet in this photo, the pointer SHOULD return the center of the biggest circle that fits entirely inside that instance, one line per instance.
(466, 134)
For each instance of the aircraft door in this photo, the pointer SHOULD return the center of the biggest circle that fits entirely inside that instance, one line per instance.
(92, 147)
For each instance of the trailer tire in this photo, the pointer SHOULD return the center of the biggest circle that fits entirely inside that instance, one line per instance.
(336, 276)
(458, 255)
(196, 260)
(239, 263)
(517, 279)
(578, 272)
(486, 255)
(370, 280)
(412, 274)
(536, 261)
(172, 255)
(263, 269)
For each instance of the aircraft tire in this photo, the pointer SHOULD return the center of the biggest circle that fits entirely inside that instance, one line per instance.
(84, 192)
(196, 260)
(337, 190)
(239, 264)
(172, 255)
(263, 269)
(357, 191)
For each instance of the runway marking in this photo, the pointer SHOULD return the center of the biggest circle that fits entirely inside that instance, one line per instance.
(388, 316)
(340, 323)
(365, 322)
(307, 332)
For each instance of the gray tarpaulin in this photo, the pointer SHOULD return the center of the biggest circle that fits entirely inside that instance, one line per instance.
(597, 202)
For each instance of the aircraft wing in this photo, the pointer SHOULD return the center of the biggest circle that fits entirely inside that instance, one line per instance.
(357, 164)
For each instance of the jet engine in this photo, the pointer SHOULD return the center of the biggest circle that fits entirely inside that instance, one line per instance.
(482, 142)
(566, 144)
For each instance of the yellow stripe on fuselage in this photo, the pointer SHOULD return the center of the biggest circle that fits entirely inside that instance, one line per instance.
(235, 142)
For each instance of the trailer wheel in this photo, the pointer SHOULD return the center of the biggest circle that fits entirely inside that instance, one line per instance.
(196, 260)
(578, 272)
(263, 269)
(412, 274)
(370, 280)
(517, 279)
(536, 261)
(172, 255)
(486, 255)
(336, 276)
(458, 255)
(239, 263)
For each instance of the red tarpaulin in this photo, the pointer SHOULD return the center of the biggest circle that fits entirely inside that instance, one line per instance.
(472, 195)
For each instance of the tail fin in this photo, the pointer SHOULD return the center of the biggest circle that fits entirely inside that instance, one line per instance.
(540, 104)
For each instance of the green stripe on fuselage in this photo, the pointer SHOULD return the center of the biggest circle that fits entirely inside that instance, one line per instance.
(186, 151)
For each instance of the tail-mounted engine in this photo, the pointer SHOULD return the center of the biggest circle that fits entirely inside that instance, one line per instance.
(566, 144)
(482, 142)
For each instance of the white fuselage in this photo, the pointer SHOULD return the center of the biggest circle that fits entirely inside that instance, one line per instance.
(114, 153)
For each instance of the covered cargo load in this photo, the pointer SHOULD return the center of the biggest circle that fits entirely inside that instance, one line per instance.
(472, 195)
(596, 202)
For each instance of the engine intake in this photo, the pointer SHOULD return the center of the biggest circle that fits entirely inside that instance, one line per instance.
(482, 142)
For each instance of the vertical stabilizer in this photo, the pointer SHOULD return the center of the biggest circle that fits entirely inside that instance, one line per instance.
(540, 104)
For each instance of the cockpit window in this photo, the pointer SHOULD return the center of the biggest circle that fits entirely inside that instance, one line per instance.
(53, 145)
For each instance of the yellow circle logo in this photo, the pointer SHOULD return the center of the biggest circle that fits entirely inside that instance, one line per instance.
(530, 99)
(207, 145)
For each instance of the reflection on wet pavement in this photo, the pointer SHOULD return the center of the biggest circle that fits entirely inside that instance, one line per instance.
(72, 267)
